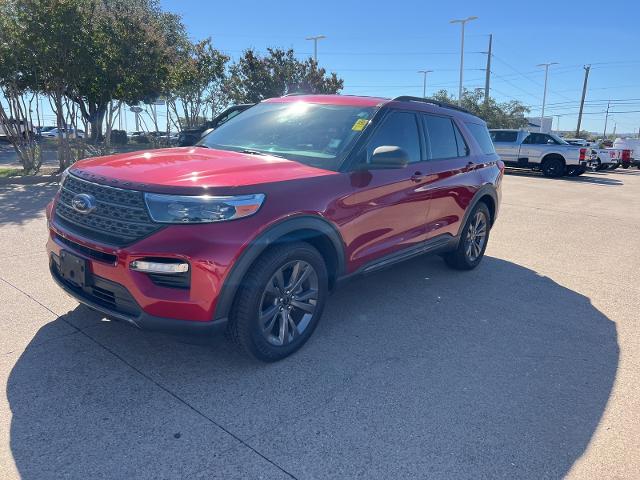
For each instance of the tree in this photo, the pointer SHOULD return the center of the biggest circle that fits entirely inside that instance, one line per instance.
(130, 47)
(254, 78)
(196, 81)
(16, 115)
(497, 115)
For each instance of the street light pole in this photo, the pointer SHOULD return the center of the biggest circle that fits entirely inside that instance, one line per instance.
(315, 39)
(462, 21)
(424, 82)
(544, 95)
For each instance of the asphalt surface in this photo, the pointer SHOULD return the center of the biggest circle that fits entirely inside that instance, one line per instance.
(527, 367)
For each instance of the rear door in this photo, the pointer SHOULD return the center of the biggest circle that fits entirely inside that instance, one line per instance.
(534, 147)
(506, 145)
(451, 179)
(389, 206)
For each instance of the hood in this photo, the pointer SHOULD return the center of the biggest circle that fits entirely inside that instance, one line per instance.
(194, 167)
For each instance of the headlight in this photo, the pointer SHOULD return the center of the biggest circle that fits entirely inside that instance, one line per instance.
(201, 209)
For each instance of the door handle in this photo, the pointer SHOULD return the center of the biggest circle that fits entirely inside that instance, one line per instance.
(470, 165)
(417, 177)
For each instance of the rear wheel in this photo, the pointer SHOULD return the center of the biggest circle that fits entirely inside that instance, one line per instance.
(553, 167)
(280, 302)
(473, 240)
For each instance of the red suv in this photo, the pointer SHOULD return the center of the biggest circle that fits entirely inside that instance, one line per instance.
(252, 228)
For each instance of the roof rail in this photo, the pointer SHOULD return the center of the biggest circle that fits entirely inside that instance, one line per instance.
(408, 98)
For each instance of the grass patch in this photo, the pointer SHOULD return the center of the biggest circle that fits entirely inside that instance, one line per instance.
(6, 172)
(9, 172)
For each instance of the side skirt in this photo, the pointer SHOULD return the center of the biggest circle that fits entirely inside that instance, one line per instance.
(439, 244)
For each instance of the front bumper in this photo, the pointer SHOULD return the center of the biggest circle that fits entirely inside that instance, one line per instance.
(115, 302)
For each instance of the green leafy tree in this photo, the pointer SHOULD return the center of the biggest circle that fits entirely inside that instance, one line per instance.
(130, 48)
(254, 78)
(196, 81)
(497, 115)
(51, 46)
(16, 111)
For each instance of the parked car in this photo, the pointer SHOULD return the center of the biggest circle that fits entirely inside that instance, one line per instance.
(41, 130)
(25, 128)
(139, 137)
(252, 228)
(65, 132)
(631, 156)
(190, 136)
(545, 152)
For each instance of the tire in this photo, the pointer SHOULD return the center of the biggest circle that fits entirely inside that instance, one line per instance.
(466, 256)
(266, 309)
(553, 167)
(600, 166)
(613, 166)
(625, 165)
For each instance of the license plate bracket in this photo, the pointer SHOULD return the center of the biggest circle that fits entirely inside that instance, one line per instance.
(74, 269)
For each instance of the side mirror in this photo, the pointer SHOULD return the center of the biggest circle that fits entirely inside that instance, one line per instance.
(550, 142)
(389, 156)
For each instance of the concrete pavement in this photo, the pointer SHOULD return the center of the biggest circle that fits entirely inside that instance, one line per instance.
(526, 367)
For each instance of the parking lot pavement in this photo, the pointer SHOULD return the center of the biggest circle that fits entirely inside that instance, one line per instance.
(526, 367)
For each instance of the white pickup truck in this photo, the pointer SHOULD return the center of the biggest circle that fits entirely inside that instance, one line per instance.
(600, 158)
(540, 151)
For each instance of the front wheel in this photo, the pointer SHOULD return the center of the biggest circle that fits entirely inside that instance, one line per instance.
(553, 168)
(279, 302)
(473, 240)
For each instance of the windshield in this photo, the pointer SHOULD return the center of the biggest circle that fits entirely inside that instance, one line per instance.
(314, 134)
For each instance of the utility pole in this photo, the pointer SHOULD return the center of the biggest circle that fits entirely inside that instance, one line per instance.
(557, 124)
(606, 119)
(487, 79)
(424, 82)
(315, 39)
(584, 94)
(615, 124)
(462, 21)
(544, 95)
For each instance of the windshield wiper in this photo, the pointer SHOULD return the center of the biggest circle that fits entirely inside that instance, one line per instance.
(248, 151)
(201, 145)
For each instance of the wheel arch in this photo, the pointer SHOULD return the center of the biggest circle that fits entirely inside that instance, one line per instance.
(486, 194)
(315, 230)
(553, 155)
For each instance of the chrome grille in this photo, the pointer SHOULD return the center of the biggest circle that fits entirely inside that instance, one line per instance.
(120, 217)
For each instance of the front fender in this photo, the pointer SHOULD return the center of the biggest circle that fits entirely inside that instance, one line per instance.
(263, 241)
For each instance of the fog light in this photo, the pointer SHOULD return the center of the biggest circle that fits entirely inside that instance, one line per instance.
(159, 267)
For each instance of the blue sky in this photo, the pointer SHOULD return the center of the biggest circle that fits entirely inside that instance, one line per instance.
(377, 47)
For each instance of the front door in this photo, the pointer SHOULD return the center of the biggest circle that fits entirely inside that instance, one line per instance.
(389, 206)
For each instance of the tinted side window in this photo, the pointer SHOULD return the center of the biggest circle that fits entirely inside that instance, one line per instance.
(442, 137)
(536, 139)
(399, 129)
(500, 136)
(463, 148)
(481, 135)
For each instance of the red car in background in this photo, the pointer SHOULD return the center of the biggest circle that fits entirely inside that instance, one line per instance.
(250, 229)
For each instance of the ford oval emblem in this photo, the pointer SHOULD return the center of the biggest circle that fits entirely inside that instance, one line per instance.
(83, 203)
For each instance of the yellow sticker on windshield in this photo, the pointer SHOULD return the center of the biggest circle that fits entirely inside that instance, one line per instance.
(360, 124)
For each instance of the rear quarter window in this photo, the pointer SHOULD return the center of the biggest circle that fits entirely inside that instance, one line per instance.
(498, 136)
(481, 134)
